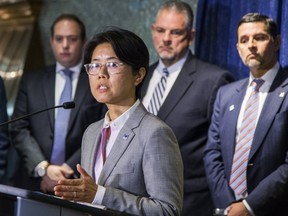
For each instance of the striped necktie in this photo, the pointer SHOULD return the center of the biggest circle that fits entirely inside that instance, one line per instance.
(61, 122)
(158, 93)
(243, 145)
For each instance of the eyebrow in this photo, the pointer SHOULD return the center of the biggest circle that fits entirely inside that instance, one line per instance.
(109, 58)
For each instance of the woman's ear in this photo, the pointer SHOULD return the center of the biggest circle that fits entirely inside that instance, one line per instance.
(140, 76)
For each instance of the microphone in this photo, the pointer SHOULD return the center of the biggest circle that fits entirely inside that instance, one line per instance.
(65, 105)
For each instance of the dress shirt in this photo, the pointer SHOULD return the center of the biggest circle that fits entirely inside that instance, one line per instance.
(115, 126)
(60, 81)
(59, 86)
(174, 71)
(263, 92)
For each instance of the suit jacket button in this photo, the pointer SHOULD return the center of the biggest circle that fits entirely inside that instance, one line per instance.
(250, 164)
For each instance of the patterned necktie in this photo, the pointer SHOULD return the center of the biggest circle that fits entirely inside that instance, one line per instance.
(105, 135)
(245, 138)
(61, 122)
(158, 93)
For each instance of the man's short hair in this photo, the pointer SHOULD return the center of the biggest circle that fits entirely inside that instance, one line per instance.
(73, 18)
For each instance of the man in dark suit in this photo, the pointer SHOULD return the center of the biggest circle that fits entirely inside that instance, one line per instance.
(4, 138)
(246, 157)
(188, 98)
(35, 138)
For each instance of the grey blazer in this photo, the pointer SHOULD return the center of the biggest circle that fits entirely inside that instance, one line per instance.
(143, 174)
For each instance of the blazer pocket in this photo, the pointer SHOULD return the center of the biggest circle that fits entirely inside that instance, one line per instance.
(123, 169)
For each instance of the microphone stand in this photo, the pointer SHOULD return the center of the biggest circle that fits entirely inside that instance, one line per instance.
(65, 105)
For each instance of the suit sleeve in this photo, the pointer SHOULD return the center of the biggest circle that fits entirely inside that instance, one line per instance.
(223, 78)
(22, 139)
(222, 195)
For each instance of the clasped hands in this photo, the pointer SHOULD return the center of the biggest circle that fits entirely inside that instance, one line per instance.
(53, 174)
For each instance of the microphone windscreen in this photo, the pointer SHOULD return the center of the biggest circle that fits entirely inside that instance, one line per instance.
(68, 105)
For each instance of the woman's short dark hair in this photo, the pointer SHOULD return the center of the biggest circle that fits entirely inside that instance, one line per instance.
(129, 48)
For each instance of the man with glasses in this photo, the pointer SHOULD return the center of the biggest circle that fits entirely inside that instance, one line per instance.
(184, 97)
(49, 143)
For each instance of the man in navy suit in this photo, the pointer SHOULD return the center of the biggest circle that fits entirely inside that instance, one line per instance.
(260, 152)
(33, 138)
(188, 99)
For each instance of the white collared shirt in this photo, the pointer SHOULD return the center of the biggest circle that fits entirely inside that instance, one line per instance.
(60, 81)
(269, 77)
(59, 86)
(174, 71)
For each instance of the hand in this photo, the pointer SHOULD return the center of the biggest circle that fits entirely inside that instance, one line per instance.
(53, 175)
(83, 189)
(47, 184)
(55, 172)
(238, 209)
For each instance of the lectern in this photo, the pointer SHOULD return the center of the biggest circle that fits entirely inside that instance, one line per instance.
(20, 202)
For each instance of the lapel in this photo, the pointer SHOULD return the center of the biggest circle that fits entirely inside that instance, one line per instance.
(82, 90)
(93, 151)
(231, 118)
(273, 103)
(48, 83)
(122, 142)
(147, 79)
(182, 83)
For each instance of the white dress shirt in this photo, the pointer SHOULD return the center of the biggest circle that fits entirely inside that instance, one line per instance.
(268, 77)
(174, 71)
(60, 81)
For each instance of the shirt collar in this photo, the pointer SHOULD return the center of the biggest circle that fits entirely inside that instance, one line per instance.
(175, 67)
(76, 69)
(269, 76)
(120, 121)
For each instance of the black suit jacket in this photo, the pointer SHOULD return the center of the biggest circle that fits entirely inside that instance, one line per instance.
(33, 137)
(187, 110)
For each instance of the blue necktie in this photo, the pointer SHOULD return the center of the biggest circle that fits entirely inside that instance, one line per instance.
(61, 122)
(158, 93)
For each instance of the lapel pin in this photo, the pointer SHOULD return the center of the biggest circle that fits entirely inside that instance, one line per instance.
(125, 136)
(231, 108)
(282, 94)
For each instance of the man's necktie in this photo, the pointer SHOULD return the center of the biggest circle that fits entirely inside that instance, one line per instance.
(105, 135)
(61, 122)
(158, 93)
(244, 141)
